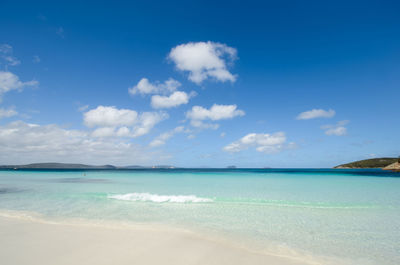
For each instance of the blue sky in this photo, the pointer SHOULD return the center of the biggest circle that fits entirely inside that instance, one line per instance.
(199, 83)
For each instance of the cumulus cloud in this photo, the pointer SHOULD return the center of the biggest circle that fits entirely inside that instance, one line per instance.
(144, 86)
(147, 120)
(217, 112)
(204, 60)
(316, 113)
(167, 94)
(110, 121)
(109, 116)
(9, 81)
(104, 132)
(162, 138)
(262, 142)
(175, 99)
(6, 54)
(22, 142)
(6, 113)
(338, 129)
(123, 132)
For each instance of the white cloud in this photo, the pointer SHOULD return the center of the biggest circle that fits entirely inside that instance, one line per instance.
(144, 86)
(266, 143)
(21, 142)
(6, 53)
(204, 125)
(104, 132)
(316, 113)
(9, 81)
(123, 132)
(11, 60)
(223, 134)
(162, 138)
(168, 96)
(204, 60)
(147, 120)
(112, 132)
(175, 99)
(338, 129)
(6, 113)
(217, 112)
(104, 116)
(111, 121)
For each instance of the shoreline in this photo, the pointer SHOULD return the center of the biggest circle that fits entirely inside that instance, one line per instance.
(47, 242)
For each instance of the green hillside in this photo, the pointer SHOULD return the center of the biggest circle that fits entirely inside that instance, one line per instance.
(370, 163)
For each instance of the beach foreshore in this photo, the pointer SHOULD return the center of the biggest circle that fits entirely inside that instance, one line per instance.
(31, 241)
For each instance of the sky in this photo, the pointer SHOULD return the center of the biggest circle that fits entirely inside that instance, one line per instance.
(199, 83)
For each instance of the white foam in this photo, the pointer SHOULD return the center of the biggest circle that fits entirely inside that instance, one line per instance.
(148, 197)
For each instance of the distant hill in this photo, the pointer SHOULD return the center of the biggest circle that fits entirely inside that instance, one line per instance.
(79, 166)
(370, 163)
(56, 166)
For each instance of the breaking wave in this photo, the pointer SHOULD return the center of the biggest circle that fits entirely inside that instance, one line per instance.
(148, 197)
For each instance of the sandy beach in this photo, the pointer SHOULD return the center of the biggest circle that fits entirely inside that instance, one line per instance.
(35, 242)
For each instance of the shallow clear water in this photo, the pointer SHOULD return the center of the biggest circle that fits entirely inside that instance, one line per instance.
(352, 215)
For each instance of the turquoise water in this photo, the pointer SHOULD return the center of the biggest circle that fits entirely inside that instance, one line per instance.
(350, 215)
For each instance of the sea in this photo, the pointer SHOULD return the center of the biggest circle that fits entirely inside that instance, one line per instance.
(333, 216)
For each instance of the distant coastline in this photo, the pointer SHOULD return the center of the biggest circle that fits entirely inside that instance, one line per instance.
(391, 164)
(79, 166)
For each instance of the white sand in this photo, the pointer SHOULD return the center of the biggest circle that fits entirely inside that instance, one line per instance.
(33, 242)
